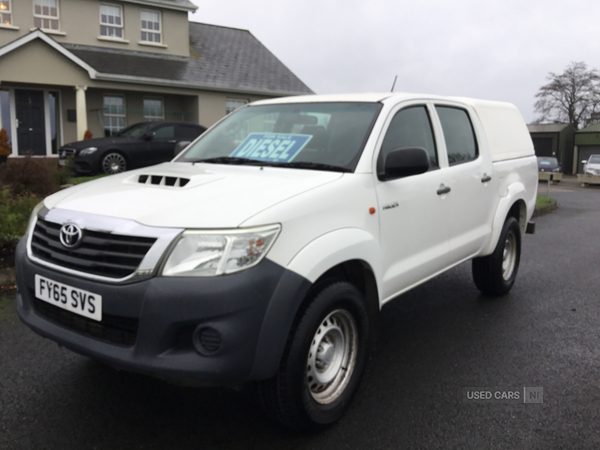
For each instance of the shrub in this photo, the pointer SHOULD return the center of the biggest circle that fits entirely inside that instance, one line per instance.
(87, 135)
(29, 175)
(14, 214)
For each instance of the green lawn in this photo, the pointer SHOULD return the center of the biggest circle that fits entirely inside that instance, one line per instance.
(542, 200)
(79, 180)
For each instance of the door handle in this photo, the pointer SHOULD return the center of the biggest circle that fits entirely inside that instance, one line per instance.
(443, 190)
(486, 178)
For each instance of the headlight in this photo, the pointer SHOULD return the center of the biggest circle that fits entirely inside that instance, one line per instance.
(211, 253)
(87, 151)
(558, 169)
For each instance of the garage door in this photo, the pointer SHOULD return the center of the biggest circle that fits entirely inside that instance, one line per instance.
(584, 154)
(543, 146)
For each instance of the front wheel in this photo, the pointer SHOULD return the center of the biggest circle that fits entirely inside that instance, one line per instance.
(323, 360)
(113, 162)
(495, 274)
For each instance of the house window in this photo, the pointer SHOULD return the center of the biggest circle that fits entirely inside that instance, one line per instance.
(231, 104)
(114, 114)
(151, 27)
(45, 14)
(153, 110)
(111, 21)
(5, 14)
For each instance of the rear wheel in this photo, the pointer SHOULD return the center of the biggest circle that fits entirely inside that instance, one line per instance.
(323, 361)
(495, 274)
(113, 162)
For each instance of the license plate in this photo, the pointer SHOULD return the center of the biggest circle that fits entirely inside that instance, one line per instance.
(67, 297)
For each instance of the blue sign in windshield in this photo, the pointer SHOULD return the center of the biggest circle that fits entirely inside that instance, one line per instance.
(271, 147)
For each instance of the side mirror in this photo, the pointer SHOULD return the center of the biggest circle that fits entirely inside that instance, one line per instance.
(148, 136)
(404, 162)
(180, 146)
(584, 161)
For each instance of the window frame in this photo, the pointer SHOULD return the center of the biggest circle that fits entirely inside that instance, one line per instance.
(147, 30)
(7, 11)
(108, 25)
(154, 118)
(104, 114)
(43, 17)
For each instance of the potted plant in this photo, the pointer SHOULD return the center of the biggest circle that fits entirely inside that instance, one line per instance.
(4, 146)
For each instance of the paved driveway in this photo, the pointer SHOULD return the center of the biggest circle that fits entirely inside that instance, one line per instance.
(437, 340)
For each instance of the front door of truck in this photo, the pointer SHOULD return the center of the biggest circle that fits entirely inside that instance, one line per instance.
(413, 211)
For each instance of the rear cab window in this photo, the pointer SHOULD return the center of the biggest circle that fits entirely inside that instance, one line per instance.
(459, 135)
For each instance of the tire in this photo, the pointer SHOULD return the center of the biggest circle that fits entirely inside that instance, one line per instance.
(323, 360)
(113, 162)
(494, 275)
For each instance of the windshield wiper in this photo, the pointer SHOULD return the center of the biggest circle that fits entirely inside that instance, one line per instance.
(226, 160)
(309, 165)
(254, 162)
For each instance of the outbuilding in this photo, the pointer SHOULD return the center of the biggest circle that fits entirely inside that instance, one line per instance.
(554, 139)
(587, 142)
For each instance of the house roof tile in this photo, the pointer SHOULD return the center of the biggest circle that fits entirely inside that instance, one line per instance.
(220, 58)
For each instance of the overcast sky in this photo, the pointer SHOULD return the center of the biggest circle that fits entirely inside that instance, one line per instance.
(493, 49)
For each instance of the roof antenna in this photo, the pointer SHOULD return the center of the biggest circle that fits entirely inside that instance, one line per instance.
(394, 84)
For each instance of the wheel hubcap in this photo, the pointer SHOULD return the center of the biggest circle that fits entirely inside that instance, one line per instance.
(113, 163)
(332, 356)
(509, 256)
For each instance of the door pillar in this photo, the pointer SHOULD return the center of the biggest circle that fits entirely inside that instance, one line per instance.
(81, 111)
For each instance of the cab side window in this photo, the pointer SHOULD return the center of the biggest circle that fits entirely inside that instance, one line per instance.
(459, 135)
(410, 127)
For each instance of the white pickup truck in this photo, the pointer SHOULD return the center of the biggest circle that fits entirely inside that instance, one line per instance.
(263, 253)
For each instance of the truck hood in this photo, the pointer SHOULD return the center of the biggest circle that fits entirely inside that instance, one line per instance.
(183, 195)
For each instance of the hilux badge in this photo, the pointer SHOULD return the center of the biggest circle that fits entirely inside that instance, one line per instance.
(70, 235)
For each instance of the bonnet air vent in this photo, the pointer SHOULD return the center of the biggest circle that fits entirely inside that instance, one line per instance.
(160, 180)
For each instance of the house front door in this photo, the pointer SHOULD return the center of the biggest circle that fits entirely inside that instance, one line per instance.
(31, 128)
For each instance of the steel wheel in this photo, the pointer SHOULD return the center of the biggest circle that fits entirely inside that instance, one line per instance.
(324, 359)
(509, 256)
(113, 163)
(332, 357)
(495, 274)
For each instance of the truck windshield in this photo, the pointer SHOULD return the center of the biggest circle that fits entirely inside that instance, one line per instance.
(321, 136)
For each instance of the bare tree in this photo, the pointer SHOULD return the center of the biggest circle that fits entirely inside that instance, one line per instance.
(570, 97)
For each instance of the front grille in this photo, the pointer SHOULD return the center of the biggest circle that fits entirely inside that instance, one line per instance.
(104, 254)
(65, 152)
(115, 329)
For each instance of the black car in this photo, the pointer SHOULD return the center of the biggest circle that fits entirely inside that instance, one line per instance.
(548, 164)
(140, 145)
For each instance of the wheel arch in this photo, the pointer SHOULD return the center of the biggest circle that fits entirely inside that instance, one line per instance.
(296, 290)
(514, 204)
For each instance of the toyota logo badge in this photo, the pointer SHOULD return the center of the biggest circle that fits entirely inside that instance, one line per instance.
(70, 235)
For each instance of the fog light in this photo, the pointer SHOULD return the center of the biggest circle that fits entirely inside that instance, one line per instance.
(207, 340)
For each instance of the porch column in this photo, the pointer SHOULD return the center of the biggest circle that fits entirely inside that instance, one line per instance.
(81, 111)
